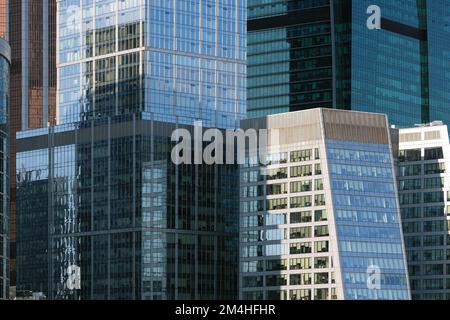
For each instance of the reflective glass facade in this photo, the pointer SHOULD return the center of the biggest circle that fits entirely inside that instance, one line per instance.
(123, 217)
(367, 219)
(5, 60)
(386, 71)
(136, 225)
(290, 65)
(321, 220)
(180, 60)
(400, 70)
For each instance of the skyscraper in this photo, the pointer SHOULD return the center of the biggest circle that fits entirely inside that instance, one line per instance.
(320, 220)
(423, 182)
(33, 82)
(104, 213)
(5, 61)
(306, 54)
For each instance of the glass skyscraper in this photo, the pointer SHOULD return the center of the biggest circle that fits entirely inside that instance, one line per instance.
(320, 220)
(181, 60)
(103, 213)
(5, 62)
(304, 54)
(423, 182)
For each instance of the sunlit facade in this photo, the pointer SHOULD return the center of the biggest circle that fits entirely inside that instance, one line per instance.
(321, 220)
(180, 60)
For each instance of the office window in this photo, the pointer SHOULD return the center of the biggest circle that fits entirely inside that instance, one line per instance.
(318, 185)
(300, 233)
(276, 265)
(321, 263)
(413, 255)
(433, 197)
(276, 281)
(433, 212)
(433, 269)
(321, 246)
(434, 168)
(277, 174)
(410, 170)
(253, 295)
(276, 219)
(414, 270)
(412, 227)
(321, 231)
(276, 234)
(277, 295)
(317, 169)
(301, 171)
(277, 204)
(300, 279)
(320, 215)
(277, 158)
(410, 184)
(301, 217)
(301, 294)
(321, 278)
(434, 154)
(410, 155)
(413, 241)
(253, 266)
(300, 264)
(433, 255)
(302, 155)
(253, 281)
(410, 198)
(433, 241)
(300, 248)
(252, 221)
(434, 226)
(301, 186)
(434, 183)
(433, 284)
(276, 189)
(319, 200)
(320, 294)
(334, 293)
(411, 213)
(301, 202)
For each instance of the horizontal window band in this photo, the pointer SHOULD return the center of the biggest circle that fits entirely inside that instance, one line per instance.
(299, 17)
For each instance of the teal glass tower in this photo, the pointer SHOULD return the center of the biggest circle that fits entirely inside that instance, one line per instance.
(103, 213)
(306, 54)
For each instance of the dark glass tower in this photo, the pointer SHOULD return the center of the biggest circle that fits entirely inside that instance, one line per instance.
(306, 54)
